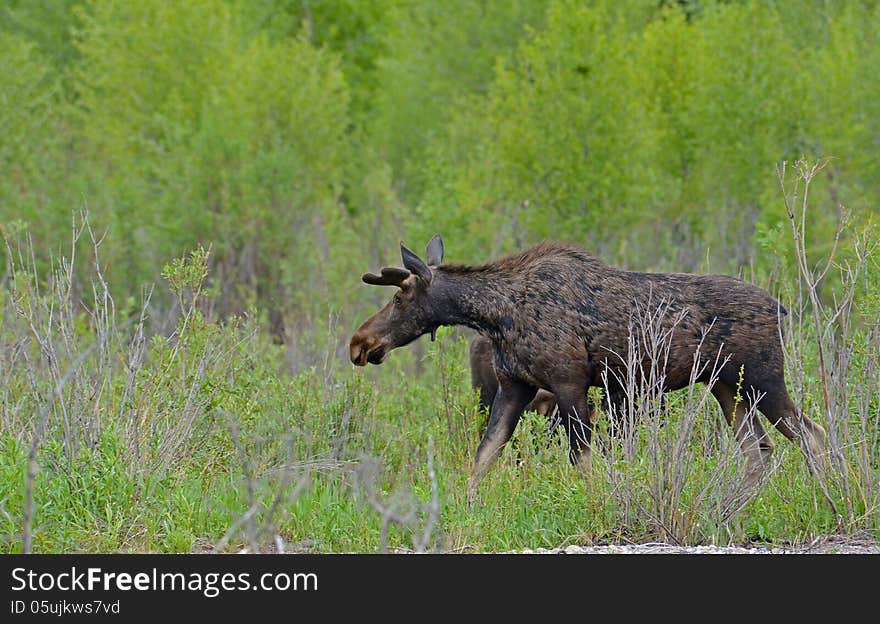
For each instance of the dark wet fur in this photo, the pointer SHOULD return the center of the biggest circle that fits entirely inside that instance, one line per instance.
(558, 318)
(555, 307)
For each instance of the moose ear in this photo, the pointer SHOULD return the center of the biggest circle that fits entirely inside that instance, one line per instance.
(412, 262)
(434, 255)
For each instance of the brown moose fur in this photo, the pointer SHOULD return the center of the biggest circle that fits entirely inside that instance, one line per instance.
(484, 380)
(557, 317)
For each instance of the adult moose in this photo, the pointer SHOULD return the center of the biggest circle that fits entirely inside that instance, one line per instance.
(557, 317)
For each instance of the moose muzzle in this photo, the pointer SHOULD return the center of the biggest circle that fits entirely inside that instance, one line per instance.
(365, 348)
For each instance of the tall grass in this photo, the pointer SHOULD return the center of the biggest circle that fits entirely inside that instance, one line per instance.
(124, 432)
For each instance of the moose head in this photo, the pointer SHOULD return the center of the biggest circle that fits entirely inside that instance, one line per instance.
(408, 315)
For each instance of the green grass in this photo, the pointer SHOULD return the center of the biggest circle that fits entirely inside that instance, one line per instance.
(100, 501)
(315, 457)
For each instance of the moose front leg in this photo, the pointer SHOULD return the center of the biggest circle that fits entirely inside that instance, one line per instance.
(507, 408)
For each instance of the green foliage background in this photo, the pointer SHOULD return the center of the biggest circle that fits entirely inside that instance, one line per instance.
(300, 140)
(303, 139)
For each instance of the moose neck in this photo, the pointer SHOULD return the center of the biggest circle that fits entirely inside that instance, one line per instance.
(476, 297)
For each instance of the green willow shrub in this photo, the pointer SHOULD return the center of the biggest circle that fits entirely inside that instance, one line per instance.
(352, 29)
(272, 149)
(568, 139)
(843, 116)
(31, 150)
(146, 71)
(744, 116)
(47, 24)
(195, 134)
(433, 54)
(301, 140)
(651, 135)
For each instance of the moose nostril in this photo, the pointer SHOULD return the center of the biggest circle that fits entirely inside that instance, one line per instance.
(358, 353)
(356, 349)
(360, 348)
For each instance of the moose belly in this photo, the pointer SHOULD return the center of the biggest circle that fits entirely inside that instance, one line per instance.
(520, 371)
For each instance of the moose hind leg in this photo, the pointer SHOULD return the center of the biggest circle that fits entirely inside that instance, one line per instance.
(755, 444)
(507, 408)
(780, 410)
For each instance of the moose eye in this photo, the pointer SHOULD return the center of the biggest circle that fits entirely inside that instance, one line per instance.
(397, 300)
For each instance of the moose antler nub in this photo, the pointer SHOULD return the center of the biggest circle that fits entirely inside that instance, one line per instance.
(391, 276)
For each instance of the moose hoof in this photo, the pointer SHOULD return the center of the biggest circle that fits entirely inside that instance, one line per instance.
(581, 462)
(817, 445)
(473, 496)
(473, 500)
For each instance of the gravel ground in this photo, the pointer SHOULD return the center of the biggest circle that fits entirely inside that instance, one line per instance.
(825, 545)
